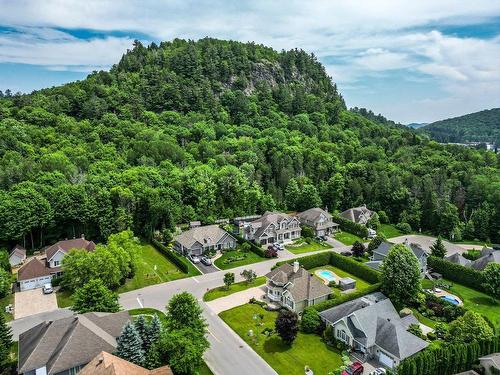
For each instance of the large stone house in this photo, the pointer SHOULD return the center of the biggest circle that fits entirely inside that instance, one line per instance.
(273, 227)
(64, 346)
(295, 288)
(39, 271)
(359, 215)
(319, 220)
(381, 252)
(371, 326)
(199, 240)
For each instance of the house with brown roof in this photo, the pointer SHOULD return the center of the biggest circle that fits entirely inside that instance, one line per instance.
(17, 256)
(64, 346)
(319, 220)
(273, 227)
(109, 364)
(295, 288)
(38, 272)
(359, 215)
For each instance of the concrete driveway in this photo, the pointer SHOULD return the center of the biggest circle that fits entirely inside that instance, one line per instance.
(31, 302)
(237, 299)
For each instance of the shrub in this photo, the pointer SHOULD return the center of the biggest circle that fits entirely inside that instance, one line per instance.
(245, 247)
(358, 249)
(431, 336)
(325, 305)
(356, 268)
(384, 219)
(310, 261)
(455, 272)
(175, 258)
(270, 253)
(307, 232)
(350, 226)
(253, 247)
(404, 227)
(310, 322)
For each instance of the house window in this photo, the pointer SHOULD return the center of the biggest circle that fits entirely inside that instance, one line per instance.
(341, 335)
(56, 263)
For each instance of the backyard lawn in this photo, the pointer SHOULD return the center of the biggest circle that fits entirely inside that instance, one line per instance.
(473, 300)
(307, 349)
(305, 247)
(347, 238)
(389, 231)
(360, 283)
(146, 274)
(249, 257)
(221, 291)
(8, 300)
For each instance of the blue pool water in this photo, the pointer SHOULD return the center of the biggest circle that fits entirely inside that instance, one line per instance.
(450, 299)
(327, 275)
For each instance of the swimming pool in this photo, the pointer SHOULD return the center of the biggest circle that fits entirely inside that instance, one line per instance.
(451, 300)
(327, 275)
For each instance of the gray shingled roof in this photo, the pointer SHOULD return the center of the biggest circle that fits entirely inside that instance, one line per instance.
(372, 319)
(481, 263)
(304, 286)
(205, 235)
(385, 247)
(459, 259)
(267, 219)
(354, 214)
(19, 251)
(313, 214)
(65, 343)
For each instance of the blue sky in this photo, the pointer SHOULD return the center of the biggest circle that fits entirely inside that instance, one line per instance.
(413, 61)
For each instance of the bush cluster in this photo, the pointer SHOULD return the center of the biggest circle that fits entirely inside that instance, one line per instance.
(455, 272)
(350, 226)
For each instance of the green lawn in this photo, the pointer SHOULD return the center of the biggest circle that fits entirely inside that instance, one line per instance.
(250, 258)
(8, 300)
(204, 370)
(148, 312)
(237, 287)
(474, 300)
(347, 238)
(305, 247)
(147, 258)
(389, 231)
(307, 349)
(64, 299)
(360, 283)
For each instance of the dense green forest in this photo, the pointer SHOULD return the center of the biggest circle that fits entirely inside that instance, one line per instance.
(212, 129)
(483, 126)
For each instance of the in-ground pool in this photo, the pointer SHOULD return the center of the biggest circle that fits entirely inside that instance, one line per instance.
(327, 275)
(451, 300)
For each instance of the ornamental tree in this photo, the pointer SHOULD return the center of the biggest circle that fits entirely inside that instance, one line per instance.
(94, 296)
(228, 279)
(358, 249)
(491, 277)
(401, 275)
(287, 326)
(183, 311)
(248, 275)
(469, 327)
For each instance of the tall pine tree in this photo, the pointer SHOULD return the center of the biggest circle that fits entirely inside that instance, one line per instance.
(5, 341)
(130, 345)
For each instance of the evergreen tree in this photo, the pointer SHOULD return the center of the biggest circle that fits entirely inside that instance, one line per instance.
(5, 341)
(141, 326)
(129, 345)
(438, 249)
(153, 333)
(358, 249)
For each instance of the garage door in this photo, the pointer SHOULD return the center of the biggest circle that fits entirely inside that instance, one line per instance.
(385, 360)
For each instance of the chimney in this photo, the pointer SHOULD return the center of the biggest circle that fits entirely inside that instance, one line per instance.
(83, 236)
(296, 267)
(406, 242)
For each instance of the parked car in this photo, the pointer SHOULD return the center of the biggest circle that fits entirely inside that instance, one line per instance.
(206, 261)
(379, 371)
(47, 289)
(355, 369)
(346, 253)
(194, 258)
(279, 246)
(321, 238)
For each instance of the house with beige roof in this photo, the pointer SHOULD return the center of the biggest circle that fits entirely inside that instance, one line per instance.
(273, 227)
(39, 271)
(319, 220)
(295, 288)
(109, 364)
(64, 346)
(199, 240)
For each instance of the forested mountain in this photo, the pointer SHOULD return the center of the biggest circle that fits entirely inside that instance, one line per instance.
(417, 125)
(483, 126)
(210, 129)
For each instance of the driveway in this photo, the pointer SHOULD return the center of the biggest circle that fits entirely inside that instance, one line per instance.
(206, 269)
(237, 299)
(427, 241)
(333, 242)
(31, 302)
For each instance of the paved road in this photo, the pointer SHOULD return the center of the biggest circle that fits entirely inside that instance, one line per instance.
(228, 353)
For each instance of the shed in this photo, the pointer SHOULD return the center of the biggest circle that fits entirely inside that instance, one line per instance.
(347, 283)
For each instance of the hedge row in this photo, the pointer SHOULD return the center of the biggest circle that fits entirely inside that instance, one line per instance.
(449, 359)
(328, 304)
(309, 261)
(354, 267)
(350, 226)
(253, 247)
(455, 272)
(182, 263)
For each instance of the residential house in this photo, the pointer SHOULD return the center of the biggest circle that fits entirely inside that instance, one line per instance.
(17, 256)
(382, 251)
(273, 227)
(199, 240)
(458, 259)
(295, 288)
(319, 220)
(359, 215)
(371, 326)
(109, 364)
(491, 363)
(64, 346)
(487, 256)
(39, 271)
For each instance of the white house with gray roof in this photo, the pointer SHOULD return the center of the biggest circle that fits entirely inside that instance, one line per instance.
(371, 326)
(273, 227)
(359, 215)
(295, 288)
(199, 240)
(381, 252)
(319, 220)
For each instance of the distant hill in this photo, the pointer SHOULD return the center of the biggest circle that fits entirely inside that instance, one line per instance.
(483, 126)
(417, 125)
